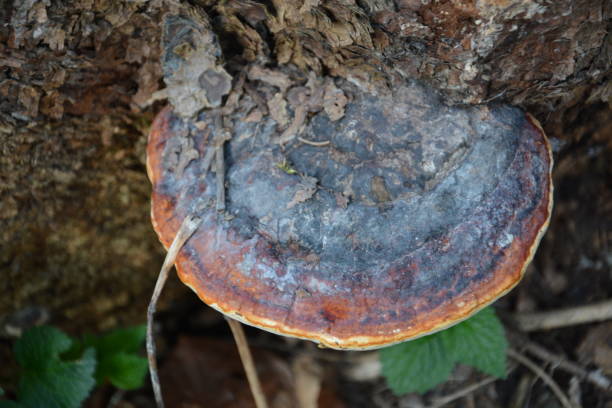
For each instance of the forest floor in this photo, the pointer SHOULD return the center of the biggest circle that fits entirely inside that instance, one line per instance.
(200, 366)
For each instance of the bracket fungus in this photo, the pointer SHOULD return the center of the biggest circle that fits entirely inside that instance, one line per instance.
(404, 217)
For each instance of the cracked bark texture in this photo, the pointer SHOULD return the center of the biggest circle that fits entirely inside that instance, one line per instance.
(77, 77)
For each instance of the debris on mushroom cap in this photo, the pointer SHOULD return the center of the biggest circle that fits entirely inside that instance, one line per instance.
(193, 75)
(443, 209)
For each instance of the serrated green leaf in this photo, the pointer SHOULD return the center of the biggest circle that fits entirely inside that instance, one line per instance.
(40, 346)
(129, 340)
(47, 380)
(123, 370)
(479, 342)
(117, 358)
(421, 364)
(416, 365)
(61, 385)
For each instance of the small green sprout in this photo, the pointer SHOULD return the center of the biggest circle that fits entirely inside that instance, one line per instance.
(286, 167)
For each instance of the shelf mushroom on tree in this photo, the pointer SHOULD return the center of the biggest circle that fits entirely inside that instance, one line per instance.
(380, 218)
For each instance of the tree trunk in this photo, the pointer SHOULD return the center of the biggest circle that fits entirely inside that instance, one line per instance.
(78, 77)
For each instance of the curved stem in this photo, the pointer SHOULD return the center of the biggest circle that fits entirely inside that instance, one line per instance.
(247, 362)
(188, 227)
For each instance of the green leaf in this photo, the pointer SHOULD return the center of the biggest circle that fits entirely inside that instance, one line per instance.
(129, 340)
(47, 380)
(419, 365)
(416, 365)
(125, 371)
(117, 358)
(41, 346)
(9, 404)
(479, 342)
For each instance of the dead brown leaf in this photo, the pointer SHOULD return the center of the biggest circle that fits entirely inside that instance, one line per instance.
(277, 106)
(334, 101)
(269, 76)
(254, 116)
(316, 91)
(306, 189)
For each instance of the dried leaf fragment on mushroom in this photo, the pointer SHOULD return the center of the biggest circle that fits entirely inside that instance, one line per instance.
(306, 189)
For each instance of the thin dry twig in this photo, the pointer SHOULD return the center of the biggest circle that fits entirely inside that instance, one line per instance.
(220, 160)
(210, 153)
(575, 393)
(440, 402)
(188, 227)
(208, 158)
(596, 377)
(522, 391)
(116, 398)
(542, 375)
(247, 362)
(307, 380)
(211, 150)
(220, 170)
(310, 142)
(564, 317)
(467, 390)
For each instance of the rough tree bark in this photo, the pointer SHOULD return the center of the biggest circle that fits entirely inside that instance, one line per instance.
(78, 75)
